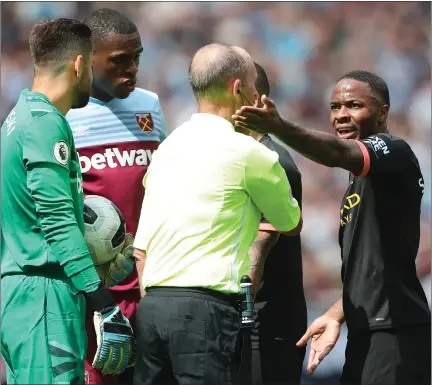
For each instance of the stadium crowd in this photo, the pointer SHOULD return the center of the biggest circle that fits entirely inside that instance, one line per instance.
(300, 45)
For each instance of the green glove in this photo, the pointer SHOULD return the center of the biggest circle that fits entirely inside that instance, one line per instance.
(116, 346)
(121, 266)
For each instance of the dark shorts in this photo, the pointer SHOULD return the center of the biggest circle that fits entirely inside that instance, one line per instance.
(187, 337)
(276, 360)
(389, 357)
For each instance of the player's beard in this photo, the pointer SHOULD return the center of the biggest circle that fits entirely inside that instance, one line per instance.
(81, 94)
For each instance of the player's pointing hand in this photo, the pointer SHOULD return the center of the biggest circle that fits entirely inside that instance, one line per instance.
(265, 119)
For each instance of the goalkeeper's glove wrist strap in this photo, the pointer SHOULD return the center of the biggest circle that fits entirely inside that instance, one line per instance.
(101, 300)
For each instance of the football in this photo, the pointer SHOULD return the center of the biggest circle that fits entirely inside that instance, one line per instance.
(104, 228)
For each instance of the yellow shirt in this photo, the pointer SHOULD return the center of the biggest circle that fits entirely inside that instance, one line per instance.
(206, 188)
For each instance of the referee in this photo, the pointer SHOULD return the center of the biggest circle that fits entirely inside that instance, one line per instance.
(206, 189)
(280, 305)
(383, 302)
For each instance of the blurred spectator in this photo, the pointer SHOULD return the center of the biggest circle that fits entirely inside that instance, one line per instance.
(304, 47)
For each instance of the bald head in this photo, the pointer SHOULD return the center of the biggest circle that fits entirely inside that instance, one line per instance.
(213, 67)
(245, 55)
(252, 70)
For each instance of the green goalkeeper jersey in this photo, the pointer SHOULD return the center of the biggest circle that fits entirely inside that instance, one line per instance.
(42, 196)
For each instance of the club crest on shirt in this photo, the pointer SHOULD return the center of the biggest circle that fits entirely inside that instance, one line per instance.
(61, 152)
(145, 121)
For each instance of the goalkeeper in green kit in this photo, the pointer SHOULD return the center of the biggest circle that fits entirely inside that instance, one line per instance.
(47, 272)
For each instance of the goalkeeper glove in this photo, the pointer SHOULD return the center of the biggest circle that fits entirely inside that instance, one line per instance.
(116, 350)
(122, 265)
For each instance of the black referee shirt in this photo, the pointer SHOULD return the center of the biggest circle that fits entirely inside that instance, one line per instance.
(282, 285)
(379, 238)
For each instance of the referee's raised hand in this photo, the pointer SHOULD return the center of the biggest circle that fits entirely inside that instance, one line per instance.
(324, 332)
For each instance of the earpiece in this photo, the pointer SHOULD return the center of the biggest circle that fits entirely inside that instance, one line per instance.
(243, 96)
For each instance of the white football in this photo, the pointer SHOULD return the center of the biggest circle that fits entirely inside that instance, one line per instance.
(105, 228)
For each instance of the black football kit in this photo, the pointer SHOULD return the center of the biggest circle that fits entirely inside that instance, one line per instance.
(281, 316)
(385, 307)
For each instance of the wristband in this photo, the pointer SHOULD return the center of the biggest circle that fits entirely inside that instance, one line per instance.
(101, 300)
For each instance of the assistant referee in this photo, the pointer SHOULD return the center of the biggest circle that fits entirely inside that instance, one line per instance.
(206, 189)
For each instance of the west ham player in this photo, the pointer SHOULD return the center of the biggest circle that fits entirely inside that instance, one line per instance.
(115, 135)
(383, 302)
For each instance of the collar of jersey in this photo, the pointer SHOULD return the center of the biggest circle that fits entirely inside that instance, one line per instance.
(28, 91)
(214, 120)
(97, 101)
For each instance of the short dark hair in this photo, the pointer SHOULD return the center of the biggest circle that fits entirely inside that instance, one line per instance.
(214, 74)
(377, 84)
(262, 84)
(52, 41)
(105, 21)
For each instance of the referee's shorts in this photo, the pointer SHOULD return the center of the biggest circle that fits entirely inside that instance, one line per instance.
(389, 357)
(190, 336)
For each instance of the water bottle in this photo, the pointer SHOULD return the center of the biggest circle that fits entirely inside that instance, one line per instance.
(247, 319)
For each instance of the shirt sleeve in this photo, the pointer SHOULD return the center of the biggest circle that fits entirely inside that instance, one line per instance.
(382, 154)
(294, 178)
(267, 184)
(160, 120)
(46, 156)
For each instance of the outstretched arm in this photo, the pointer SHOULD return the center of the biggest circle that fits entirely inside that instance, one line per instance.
(318, 146)
(321, 147)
